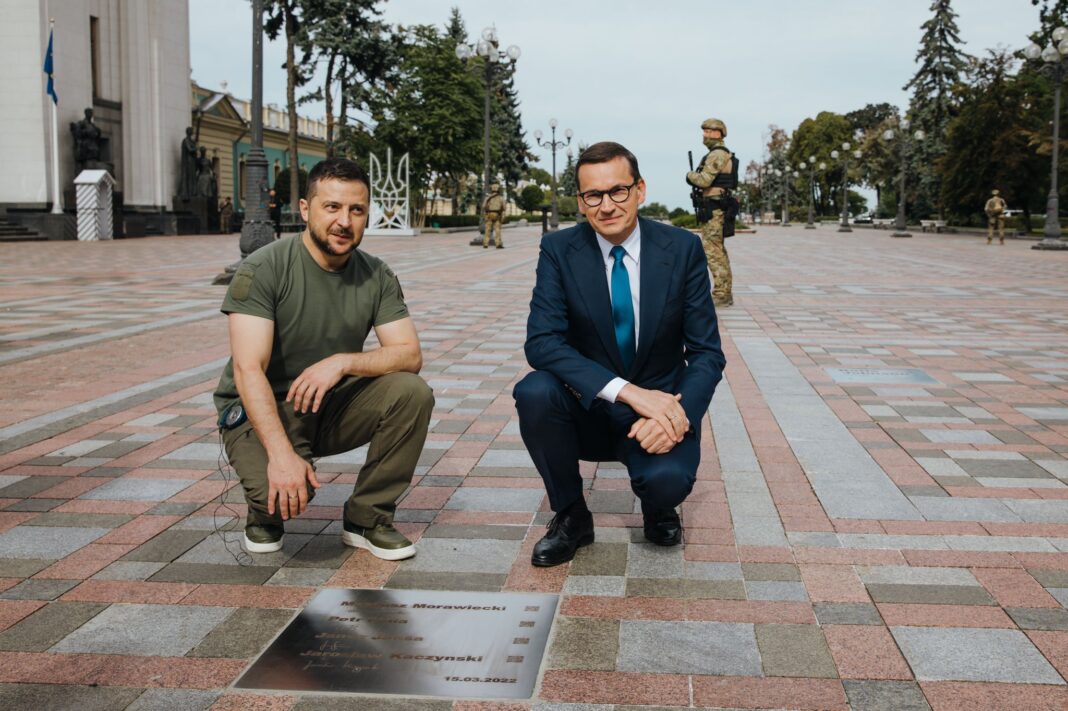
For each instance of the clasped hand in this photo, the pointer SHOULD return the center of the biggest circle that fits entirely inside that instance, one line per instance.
(662, 422)
(312, 385)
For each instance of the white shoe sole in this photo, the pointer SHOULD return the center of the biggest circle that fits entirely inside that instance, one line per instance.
(253, 547)
(355, 540)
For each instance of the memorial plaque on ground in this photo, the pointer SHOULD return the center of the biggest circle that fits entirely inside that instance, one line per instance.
(881, 376)
(411, 643)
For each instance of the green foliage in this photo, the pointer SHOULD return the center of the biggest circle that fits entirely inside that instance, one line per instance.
(567, 205)
(539, 176)
(530, 198)
(452, 220)
(996, 143)
(566, 183)
(653, 209)
(678, 211)
(817, 137)
(686, 220)
(282, 189)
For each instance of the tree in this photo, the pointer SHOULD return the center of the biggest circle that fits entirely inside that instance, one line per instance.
(817, 137)
(995, 142)
(358, 50)
(530, 198)
(509, 151)
(539, 175)
(433, 111)
(653, 209)
(566, 183)
(1051, 15)
(933, 103)
(282, 185)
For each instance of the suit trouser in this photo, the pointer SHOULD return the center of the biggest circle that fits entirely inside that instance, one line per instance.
(391, 412)
(558, 432)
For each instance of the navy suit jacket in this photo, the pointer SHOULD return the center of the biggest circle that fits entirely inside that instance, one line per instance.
(570, 331)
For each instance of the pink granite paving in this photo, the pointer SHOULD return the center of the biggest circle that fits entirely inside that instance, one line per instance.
(980, 453)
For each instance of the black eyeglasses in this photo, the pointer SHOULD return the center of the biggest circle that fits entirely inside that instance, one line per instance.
(618, 194)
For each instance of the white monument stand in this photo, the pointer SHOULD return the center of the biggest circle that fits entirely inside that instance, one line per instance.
(93, 189)
(390, 205)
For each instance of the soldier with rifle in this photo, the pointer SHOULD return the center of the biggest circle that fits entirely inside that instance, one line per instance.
(712, 185)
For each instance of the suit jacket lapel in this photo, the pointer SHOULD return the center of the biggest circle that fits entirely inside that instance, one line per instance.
(587, 266)
(657, 264)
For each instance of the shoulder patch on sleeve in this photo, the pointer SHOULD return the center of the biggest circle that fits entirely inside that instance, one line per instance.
(242, 283)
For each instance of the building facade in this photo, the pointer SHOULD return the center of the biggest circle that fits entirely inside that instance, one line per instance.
(128, 61)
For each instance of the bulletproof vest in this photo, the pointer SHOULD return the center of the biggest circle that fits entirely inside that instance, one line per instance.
(727, 181)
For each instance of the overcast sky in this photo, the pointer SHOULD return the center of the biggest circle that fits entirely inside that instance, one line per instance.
(647, 73)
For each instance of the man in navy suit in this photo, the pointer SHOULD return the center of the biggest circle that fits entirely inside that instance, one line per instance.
(623, 340)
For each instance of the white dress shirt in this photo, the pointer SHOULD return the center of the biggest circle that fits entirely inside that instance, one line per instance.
(632, 261)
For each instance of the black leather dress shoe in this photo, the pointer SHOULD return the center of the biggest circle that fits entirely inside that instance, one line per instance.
(568, 531)
(663, 527)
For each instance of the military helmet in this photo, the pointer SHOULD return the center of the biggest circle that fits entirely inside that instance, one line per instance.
(495, 186)
(995, 192)
(715, 123)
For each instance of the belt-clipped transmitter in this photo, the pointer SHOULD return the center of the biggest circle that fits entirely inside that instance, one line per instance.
(232, 416)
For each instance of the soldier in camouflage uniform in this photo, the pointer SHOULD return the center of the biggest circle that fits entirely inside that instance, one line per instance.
(492, 212)
(995, 217)
(712, 177)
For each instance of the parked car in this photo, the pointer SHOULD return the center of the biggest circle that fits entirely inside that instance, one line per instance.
(1012, 213)
(864, 218)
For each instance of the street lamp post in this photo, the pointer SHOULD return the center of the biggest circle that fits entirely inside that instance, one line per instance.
(257, 230)
(552, 144)
(844, 226)
(494, 60)
(811, 224)
(1054, 57)
(900, 224)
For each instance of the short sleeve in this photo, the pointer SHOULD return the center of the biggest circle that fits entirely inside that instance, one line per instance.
(251, 292)
(391, 306)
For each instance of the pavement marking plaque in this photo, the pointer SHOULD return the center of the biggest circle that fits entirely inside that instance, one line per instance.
(411, 643)
(882, 376)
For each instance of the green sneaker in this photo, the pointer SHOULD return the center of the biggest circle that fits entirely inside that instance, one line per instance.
(383, 541)
(263, 539)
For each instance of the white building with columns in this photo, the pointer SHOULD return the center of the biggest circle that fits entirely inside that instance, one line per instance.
(128, 60)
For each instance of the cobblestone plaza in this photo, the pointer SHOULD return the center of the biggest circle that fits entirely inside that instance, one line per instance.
(880, 520)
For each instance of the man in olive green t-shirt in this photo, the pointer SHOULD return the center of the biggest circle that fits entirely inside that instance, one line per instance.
(299, 384)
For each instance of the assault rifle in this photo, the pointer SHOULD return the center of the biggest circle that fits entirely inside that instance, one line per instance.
(701, 207)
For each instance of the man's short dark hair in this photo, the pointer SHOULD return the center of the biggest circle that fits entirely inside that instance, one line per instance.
(605, 151)
(336, 169)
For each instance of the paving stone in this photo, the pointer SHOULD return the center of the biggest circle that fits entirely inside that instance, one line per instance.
(1050, 578)
(644, 560)
(79, 520)
(696, 570)
(600, 559)
(47, 626)
(684, 588)
(179, 508)
(458, 555)
(46, 542)
(885, 696)
(130, 489)
(688, 648)
(129, 570)
(584, 643)
(452, 530)
(217, 574)
(28, 486)
(1035, 618)
(930, 594)
(63, 697)
(243, 634)
(510, 458)
(1039, 511)
(326, 551)
(406, 579)
(33, 589)
(301, 577)
(605, 501)
(135, 630)
(955, 654)
(907, 575)
(226, 549)
(794, 650)
(846, 613)
(36, 505)
(600, 585)
(771, 571)
(470, 498)
(1004, 469)
(381, 703)
(954, 509)
(775, 590)
(166, 546)
(174, 700)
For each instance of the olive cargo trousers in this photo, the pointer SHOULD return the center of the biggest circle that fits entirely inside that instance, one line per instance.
(391, 412)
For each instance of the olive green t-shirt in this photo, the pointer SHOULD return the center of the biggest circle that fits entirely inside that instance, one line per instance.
(316, 313)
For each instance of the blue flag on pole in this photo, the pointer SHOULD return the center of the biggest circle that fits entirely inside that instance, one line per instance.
(48, 69)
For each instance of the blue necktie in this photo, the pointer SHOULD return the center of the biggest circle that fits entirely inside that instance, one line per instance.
(622, 307)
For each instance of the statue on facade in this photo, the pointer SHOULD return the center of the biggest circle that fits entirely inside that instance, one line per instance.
(88, 140)
(205, 186)
(187, 175)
